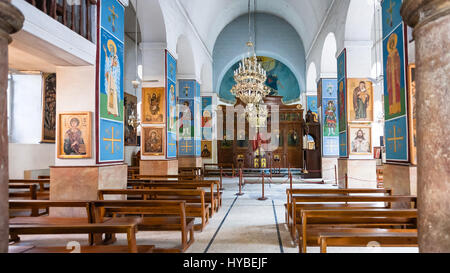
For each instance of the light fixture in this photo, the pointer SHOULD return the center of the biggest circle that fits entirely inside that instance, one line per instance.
(250, 80)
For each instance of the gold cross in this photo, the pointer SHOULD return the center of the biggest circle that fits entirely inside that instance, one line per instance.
(172, 144)
(113, 13)
(112, 140)
(186, 146)
(395, 138)
(391, 10)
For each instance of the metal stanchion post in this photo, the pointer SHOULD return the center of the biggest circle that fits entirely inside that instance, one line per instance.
(221, 177)
(240, 183)
(335, 175)
(262, 198)
(290, 180)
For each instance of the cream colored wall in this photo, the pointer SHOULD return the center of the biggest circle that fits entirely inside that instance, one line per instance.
(75, 92)
(24, 157)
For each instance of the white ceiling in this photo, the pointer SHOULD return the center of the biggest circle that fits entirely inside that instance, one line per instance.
(211, 16)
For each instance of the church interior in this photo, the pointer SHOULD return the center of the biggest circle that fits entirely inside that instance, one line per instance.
(245, 126)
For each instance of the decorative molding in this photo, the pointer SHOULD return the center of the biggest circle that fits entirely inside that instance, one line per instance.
(11, 20)
(417, 13)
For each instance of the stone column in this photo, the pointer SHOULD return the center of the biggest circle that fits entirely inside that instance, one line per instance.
(11, 20)
(431, 22)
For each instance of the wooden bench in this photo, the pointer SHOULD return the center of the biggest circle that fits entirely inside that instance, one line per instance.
(366, 218)
(191, 171)
(47, 220)
(129, 229)
(25, 192)
(291, 192)
(168, 177)
(335, 202)
(160, 215)
(41, 182)
(362, 237)
(212, 196)
(195, 200)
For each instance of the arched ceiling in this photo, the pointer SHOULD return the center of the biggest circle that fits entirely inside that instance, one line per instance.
(210, 17)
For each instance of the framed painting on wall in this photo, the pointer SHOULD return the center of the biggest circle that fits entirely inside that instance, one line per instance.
(360, 100)
(412, 113)
(130, 109)
(153, 105)
(74, 135)
(206, 149)
(153, 141)
(360, 139)
(48, 108)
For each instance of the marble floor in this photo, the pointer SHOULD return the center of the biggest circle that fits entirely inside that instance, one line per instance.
(243, 225)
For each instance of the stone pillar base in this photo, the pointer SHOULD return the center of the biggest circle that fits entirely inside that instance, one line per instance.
(402, 179)
(328, 173)
(158, 167)
(189, 162)
(362, 173)
(83, 183)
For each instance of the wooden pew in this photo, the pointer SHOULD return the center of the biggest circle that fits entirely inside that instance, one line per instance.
(362, 237)
(212, 196)
(168, 177)
(130, 229)
(333, 202)
(366, 218)
(41, 182)
(291, 192)
(132, 172)
(47, 220)
(24, 192)
(162, 216)
(195, 200)
(191, 171)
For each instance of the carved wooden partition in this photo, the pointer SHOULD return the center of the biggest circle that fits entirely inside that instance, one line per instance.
(255, 153)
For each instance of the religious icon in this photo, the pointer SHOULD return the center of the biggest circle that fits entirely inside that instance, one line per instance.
(172, 109)
(112, 78)
(186, 117)
(74, 135)
(412, 113)
(393, 75)
(360, 139)
(263, 162)
(293, 139)
(153, 105)
(330, 120)
(48, 107)
(256, 163)
(206, 119)
(130, 102)
(153, 138)
(360, 103)
(342, 114)
(206, 149)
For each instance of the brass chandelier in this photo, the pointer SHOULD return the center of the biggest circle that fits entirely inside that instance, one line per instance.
(250, 85)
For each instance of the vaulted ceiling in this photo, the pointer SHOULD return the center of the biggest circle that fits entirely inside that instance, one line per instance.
(211, 16)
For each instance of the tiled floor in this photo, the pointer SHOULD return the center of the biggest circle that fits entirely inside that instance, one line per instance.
(243, 225)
